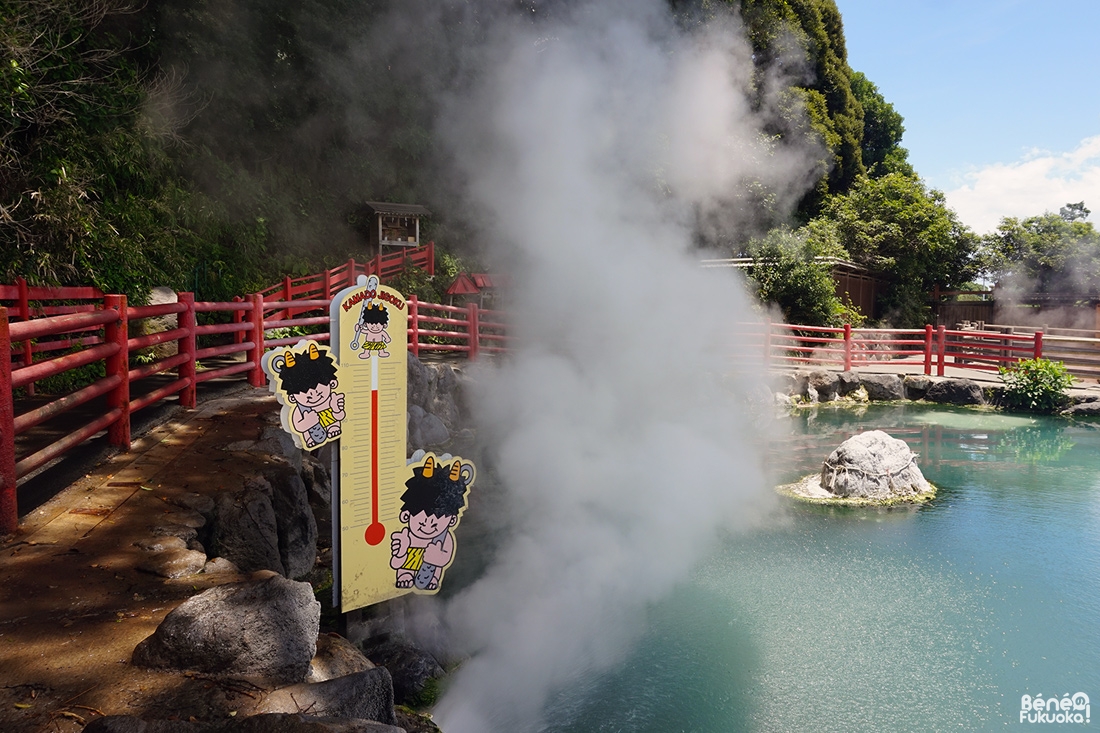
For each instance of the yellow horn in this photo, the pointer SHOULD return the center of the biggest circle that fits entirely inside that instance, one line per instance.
(313, 353)
(456, 470)
(290, 358)
(429, 467)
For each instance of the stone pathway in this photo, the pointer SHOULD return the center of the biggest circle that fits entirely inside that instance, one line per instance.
(77, 593)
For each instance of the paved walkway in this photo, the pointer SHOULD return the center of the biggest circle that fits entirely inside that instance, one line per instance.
(75, 598)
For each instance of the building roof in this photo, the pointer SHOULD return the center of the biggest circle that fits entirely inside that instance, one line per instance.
(474, 283)
(463, 285)
(382, 207)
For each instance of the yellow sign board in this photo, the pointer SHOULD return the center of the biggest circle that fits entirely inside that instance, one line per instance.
(394, 520)
(368, 334)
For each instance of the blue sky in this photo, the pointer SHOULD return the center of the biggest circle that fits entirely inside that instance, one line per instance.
(1001, 98)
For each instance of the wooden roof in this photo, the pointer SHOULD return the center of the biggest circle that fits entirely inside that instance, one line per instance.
(382, 207)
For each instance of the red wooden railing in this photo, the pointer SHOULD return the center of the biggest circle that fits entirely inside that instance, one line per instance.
(96, 328)
(931, 347)
(99, 331)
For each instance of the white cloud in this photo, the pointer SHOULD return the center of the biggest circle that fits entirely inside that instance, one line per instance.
(1042, 181)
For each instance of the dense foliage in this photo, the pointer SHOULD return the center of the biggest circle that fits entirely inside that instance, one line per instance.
(897, 228)
(215, 145)
(88, 189)
(1052, 253)
(1036, 385)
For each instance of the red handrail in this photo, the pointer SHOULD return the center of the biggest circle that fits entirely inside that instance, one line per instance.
(99, 332)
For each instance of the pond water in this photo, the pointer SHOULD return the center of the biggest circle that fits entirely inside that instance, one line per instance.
(908, 619)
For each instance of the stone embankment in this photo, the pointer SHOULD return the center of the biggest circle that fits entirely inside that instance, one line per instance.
(806, 387)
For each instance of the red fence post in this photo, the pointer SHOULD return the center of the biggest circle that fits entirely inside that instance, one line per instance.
(377, 264)
(414, 325)
(238, 317)
(9, 509)
(187, 369)
(1038, 344)
(473, 327)
(25, 315)
(326, 284)
(767, 344)
(928, 349)
(431, 259)
(288, 295)
(941, 347)
(256, 376)
(118, 364)
(351, 272)
(847, 347)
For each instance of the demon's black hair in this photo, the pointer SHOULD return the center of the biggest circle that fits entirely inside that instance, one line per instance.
(374, 313)
(307, 373)
(436, 494)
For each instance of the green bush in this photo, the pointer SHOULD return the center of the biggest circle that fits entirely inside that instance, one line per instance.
(1036, 385)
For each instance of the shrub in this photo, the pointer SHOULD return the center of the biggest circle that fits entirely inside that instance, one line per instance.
(1036, 385)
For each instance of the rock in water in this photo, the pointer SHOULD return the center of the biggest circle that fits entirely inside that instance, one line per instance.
(873, 465)
(869, 468)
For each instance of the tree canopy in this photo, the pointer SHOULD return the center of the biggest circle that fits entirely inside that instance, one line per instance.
(212, 145)
(1050, 253)
(882, 130)
(896, 227)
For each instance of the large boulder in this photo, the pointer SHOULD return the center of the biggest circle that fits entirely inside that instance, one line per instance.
(418, 383)
(295, 524)
(413, 669)
(367, 695)
(425, 430)
(956, 392)
(916, 386)
(336, 657)
(246, 531)
(265, 628)
(869, 468)
(882, 387)
(847, 383)
(1083, 409)
(826, 383)
(873, 465)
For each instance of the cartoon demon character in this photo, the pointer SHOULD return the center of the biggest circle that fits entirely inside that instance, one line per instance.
(309, 380)
(431, 506)
(371, 330)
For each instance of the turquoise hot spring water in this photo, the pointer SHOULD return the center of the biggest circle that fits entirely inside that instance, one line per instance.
(934, 618)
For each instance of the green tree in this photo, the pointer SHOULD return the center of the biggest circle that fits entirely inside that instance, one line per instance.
(882, 130)
(1051, 253)
(787, 272)
(823, 99)
(896, 227)
(89, 193)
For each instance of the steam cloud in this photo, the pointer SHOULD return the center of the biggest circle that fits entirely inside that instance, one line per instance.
(594, 143)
